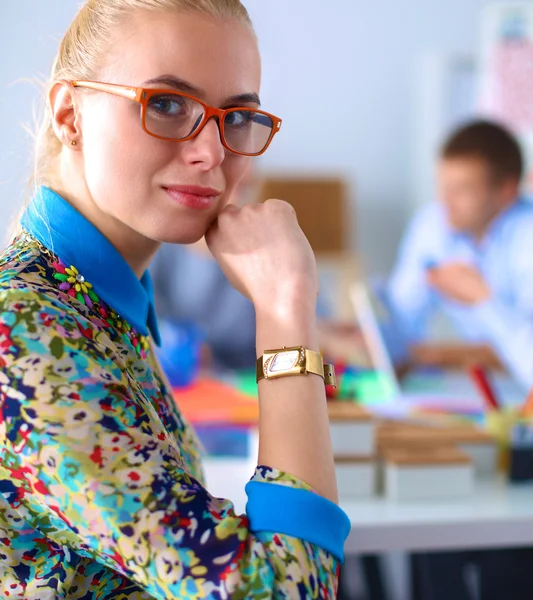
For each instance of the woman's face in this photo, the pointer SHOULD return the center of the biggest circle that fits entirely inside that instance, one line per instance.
(134, 177)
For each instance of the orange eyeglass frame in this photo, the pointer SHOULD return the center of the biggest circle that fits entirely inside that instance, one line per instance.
(143, 95)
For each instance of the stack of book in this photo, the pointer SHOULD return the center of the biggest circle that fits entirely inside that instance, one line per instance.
(421, 461)
(353, 437)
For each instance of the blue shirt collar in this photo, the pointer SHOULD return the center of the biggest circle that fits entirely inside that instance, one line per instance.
(71, 237)
(500, 221)
(493, 229)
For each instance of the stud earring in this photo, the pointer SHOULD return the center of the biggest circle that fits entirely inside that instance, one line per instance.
(73, 142)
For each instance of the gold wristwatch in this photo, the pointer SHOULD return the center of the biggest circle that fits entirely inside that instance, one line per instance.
(297, 360)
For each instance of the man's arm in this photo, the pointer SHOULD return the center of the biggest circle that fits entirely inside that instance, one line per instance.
(509, 323)
(506, 319)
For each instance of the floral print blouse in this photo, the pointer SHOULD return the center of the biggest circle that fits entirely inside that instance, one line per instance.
(101, 488)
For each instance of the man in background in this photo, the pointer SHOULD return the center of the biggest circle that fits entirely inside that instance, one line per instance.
(471, 254)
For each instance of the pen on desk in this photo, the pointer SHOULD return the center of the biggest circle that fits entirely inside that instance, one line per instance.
(484, 387)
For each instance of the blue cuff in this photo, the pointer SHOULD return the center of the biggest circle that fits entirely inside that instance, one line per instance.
(301, 514)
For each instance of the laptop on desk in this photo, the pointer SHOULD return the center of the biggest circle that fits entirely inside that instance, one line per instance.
(451, 391)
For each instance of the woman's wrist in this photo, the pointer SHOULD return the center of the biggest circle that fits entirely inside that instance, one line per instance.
(283, 327)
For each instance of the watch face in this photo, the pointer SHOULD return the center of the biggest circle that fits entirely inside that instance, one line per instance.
(284, 361)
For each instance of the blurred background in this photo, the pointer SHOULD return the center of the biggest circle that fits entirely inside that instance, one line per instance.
(366, 91)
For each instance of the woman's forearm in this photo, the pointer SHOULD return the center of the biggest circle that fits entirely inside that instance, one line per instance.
(294, 426)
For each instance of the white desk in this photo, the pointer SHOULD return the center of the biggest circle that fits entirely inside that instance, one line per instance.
(495, 515)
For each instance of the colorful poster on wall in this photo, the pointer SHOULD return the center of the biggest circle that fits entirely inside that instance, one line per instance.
(506, 90)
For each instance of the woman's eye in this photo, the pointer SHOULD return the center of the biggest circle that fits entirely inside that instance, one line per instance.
(171, 106)
(241, 118)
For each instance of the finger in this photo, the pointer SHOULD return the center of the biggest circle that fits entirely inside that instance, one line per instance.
(210, 233)
(281, 204)
(458, 267)
(230, 208)
(444, 270)
(213, 228)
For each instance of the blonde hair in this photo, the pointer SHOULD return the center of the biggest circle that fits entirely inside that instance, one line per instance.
(83, 46)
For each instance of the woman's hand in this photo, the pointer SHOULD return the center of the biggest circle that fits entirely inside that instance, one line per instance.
(266, 257)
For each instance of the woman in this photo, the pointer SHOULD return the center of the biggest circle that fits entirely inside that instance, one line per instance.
(101, 491)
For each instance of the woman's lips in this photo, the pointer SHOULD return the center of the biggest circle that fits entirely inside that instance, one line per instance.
(195, 197)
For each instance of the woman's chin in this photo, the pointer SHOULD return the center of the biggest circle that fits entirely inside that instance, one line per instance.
(182, 237)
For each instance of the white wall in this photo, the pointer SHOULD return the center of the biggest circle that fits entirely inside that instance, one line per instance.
(343, 75)
(358, 63)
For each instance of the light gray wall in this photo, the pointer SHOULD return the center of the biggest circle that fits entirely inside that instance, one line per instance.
(29, 34)
(343, 75)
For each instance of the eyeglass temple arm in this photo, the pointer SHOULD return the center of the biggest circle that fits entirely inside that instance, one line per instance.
(130, 93)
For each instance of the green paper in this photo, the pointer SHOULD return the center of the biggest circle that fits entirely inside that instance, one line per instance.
(246, 384)
(368, 388)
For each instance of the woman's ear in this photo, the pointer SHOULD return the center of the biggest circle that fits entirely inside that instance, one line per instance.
(66, 116)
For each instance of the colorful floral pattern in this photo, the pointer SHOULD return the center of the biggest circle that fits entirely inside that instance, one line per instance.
(101, 491)
(74, 283)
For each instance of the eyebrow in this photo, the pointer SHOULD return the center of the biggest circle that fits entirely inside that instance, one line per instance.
(187, 88)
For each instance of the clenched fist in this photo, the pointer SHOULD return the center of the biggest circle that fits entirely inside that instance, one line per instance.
(265, 255)
(460, 282)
